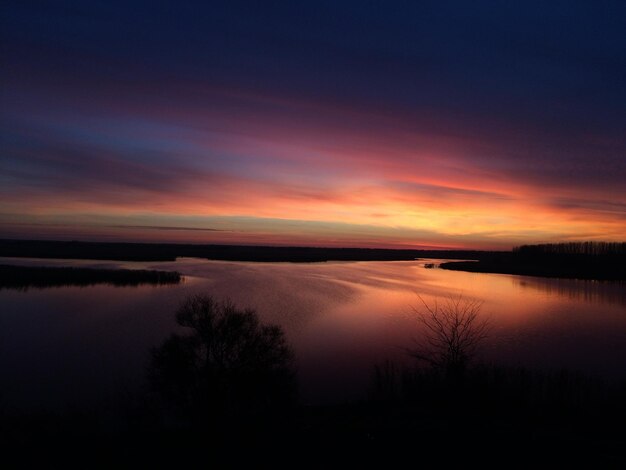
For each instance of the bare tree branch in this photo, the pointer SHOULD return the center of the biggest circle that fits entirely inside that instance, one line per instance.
(453, 330)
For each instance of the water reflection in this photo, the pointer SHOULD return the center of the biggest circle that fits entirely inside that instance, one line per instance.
(578, 290)
(80, 344)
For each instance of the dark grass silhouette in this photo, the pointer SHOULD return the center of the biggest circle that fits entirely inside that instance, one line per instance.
(226, 364)
(25, 277)
(495, 413)
(454, 404)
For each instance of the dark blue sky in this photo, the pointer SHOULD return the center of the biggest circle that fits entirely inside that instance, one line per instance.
(458, 123)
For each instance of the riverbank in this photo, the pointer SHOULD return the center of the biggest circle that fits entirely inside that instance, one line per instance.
(600, 268)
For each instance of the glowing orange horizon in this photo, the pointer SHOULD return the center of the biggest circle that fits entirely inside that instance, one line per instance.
(331, 176)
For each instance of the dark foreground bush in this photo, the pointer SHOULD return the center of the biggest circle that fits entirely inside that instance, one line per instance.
(226, 364)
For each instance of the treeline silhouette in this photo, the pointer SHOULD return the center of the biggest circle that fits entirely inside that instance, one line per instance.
(574, 248)
(584, 260)
(25, 277)
(170, 251)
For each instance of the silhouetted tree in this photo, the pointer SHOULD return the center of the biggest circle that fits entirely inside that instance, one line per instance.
(452, 332)
(227, 363)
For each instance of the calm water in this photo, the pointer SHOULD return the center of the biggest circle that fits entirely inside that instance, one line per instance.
(73, 346)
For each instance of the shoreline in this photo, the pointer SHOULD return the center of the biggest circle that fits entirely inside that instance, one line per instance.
(612, 272)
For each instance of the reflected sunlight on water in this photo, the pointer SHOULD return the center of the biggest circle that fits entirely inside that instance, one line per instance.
(341, 317)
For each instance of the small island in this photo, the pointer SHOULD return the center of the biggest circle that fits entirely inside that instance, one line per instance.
(25, 277)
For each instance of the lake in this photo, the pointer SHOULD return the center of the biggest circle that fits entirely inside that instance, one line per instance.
(73, 347)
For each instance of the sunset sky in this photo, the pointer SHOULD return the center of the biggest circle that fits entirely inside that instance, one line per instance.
(474, 124)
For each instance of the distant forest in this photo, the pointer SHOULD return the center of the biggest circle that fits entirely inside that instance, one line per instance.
(171, 251)
(576, 260)
(604, 261)
(574, 248)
